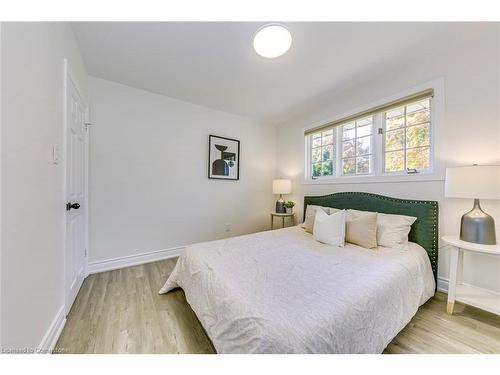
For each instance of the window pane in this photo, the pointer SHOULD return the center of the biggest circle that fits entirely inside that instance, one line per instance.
(316, 170)
(364, 121)
(418, 158)
(417, 118)
(316, 154)
(349, 166)
(348, 149)
(363, 164)
(394, 161)
(327, 168)
(418, 106)
(417, 135)
(394, 140)
(327, 138)
(327, 132)
(348, 131)
(363, 146)
(364, 130)
(316, 140)
(328, 152)
(394, 123)
(396, 112)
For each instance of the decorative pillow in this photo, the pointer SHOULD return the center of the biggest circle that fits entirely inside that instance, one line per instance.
(310, 215)
(330, 229)
(351, 214)
(393, 230)
(361, 230)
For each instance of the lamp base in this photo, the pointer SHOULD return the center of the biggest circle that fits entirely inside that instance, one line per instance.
(477, 226)
(280, 205)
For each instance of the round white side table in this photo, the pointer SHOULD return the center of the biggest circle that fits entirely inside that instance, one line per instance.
(470, 295)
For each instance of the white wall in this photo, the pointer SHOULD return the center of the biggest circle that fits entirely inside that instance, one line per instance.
(32, 198)
(469, 62)
(148, 173)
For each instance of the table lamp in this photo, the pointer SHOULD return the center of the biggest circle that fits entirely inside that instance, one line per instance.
(475, 182)
(281, 187)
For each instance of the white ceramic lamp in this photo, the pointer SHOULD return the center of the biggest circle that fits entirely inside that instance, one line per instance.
(475, 182)
(281, 186)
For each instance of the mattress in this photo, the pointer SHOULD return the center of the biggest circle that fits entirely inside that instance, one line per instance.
(283, 292)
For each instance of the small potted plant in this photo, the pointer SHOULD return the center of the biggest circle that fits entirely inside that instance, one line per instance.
(289, 207)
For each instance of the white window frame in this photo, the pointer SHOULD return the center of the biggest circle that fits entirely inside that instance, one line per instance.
(340, 142)
(382, 120)
(334, 144)
(436, 169)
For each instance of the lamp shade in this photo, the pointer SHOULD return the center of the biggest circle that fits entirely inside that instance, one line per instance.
(282, 186)
(477, 181)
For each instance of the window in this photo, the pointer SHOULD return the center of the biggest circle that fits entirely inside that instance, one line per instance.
(323, 152)
(356, 146)
(407, 137)
(391, 139)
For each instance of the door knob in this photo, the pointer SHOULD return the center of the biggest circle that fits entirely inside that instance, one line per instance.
(74, 206)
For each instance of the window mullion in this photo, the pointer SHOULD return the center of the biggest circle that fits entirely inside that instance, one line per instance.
(307, 158)
(355, 147)
(404, 139)
(338, 151)
(310, 155)
(377, 143)
(321, 155)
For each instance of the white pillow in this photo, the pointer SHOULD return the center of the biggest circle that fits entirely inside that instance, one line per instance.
(329, 229)
(310, 215)
(393, 230)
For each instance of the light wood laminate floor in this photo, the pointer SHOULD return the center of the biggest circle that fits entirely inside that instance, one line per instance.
(121, 312)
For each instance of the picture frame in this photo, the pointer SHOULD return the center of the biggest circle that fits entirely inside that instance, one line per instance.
(223, 158)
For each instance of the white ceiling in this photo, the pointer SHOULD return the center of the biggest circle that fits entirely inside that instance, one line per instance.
(214, 65)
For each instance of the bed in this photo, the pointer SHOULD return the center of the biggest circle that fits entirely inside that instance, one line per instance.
(283, 292)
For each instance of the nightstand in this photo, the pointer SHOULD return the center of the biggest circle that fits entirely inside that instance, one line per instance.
(470, 295)
(283, 216)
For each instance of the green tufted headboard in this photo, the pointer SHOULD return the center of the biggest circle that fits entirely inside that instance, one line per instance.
(423, 232)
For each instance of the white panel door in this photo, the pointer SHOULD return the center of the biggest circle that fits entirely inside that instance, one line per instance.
(76, 184)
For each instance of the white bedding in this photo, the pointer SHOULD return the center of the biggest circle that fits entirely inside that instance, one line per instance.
(283, 292)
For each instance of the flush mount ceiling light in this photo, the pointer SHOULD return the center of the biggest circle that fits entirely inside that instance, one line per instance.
(272, 41)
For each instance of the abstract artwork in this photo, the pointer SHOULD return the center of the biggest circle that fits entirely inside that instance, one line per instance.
(223, 158)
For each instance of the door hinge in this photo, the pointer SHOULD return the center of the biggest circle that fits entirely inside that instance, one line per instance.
(380, 131)
(85, 252)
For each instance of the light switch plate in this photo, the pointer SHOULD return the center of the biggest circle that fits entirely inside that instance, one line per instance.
(56, 154)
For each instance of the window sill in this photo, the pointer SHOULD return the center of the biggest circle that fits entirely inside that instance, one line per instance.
(376, 179)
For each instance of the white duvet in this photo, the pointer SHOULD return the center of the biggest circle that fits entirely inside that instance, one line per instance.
(283, 292)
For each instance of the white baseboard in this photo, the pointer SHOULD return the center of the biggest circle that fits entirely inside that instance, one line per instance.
(442, 284)
(50, 338)
(134, 260)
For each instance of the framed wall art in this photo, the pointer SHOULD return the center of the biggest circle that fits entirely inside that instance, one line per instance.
(223, 158)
